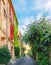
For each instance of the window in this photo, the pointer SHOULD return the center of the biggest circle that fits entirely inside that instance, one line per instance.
(3, 2)
(4, 13)
(2, 38)
(11, 16)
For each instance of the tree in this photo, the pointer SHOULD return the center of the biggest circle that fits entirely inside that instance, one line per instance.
(38, 34)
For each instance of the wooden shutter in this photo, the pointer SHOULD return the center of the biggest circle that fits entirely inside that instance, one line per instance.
(11, 31)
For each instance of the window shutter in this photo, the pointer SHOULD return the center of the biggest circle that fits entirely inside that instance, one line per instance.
(11, 31)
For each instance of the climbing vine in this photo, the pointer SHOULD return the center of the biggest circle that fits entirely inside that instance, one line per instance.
(16, 41)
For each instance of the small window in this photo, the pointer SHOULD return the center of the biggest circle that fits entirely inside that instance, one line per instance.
(3, 2)
(4, 13)
(2, 38)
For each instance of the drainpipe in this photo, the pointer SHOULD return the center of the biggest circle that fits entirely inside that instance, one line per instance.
(0, 7)
(7, 24)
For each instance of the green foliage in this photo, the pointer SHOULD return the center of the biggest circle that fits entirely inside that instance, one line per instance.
(43, 59)
(37, 31)
(16, 20)
(23, 50)
(38, 34)
(17, 51)
(16, 41)
(4, 55)
(43, 56)
(30, 53)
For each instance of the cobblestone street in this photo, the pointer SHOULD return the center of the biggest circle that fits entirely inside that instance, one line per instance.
(24, 61)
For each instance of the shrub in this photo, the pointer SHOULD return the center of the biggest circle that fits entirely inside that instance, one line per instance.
(30, 53)
(17, 51)
(4, 55)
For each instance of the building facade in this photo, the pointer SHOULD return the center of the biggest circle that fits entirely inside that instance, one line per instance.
(7, 23)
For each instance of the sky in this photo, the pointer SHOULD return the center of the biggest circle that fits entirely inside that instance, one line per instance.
(29, 10)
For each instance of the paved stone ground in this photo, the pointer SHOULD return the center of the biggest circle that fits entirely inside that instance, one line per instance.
(24, 61)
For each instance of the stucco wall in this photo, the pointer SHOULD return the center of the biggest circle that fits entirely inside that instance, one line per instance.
(5, 28)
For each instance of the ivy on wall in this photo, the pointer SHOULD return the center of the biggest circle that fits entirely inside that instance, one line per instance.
(16, 41)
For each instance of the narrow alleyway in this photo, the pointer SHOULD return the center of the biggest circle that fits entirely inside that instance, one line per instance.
(24, 61)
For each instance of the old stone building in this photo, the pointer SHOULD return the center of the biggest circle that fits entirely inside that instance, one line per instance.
(7, 22)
